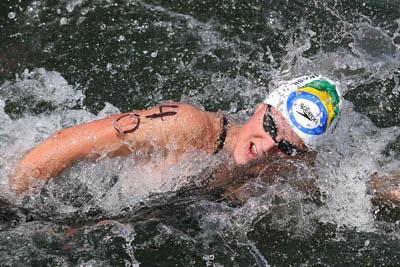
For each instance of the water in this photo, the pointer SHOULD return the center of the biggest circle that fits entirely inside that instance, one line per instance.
(71, 61)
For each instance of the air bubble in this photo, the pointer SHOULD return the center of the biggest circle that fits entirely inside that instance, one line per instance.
(121, 38)
(11, 15)
(63, 21)
(70, 8)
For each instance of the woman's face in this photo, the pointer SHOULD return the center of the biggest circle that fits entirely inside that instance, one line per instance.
(253, 141)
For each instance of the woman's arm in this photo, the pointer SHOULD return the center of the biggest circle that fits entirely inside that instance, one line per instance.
(385, 189)
(59, 150)
(117, 135)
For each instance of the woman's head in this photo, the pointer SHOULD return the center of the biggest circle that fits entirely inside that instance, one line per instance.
(255, 138)
(299, 114)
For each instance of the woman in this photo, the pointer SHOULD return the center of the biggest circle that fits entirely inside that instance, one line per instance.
(297, 116)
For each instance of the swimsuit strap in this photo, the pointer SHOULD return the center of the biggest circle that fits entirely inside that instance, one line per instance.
(222, 135)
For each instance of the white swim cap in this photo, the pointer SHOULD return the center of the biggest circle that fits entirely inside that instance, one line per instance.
(310, 105)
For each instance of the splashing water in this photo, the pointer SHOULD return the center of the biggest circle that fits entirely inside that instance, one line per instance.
(75, 61)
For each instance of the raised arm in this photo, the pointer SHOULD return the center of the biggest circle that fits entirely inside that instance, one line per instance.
(117, 135)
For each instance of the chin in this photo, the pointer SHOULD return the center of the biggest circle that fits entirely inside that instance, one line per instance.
(240, 159)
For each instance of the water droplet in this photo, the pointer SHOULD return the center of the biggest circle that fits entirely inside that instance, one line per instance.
(121, 38)
(63, 21)
(154, 54)
(11, 15)
(70, 7)
(311, 33)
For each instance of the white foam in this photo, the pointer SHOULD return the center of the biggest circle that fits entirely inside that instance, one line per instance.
(42, 85)
(19, 135)
(345, 164)
(342, 170)
(136, 181)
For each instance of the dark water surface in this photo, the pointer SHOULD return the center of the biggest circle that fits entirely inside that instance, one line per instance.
(65, 62)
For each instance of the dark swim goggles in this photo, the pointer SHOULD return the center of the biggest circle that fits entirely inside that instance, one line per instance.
(270, 127)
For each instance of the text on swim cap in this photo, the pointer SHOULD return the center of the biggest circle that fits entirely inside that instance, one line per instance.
(307, 113)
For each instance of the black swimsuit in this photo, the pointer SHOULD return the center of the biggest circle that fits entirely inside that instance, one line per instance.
(222, 135)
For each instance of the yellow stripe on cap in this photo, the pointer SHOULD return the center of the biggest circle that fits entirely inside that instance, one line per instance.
(325, 99)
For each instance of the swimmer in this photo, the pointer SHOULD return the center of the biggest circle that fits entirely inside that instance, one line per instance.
(293, 119)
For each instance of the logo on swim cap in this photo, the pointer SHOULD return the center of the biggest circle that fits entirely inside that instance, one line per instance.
(309, 104)
(307, 113)
(313, 106)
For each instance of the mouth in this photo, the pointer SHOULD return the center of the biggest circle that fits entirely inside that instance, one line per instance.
(252, 151)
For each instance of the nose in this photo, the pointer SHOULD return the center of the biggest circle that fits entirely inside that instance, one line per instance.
(268, 144)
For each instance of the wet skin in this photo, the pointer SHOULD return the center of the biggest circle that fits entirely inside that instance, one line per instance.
(254, 142)
(172, 128)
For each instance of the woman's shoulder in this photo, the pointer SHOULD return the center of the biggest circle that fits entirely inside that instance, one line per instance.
(172, 112)
(186, 123)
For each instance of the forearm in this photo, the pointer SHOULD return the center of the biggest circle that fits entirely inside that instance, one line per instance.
(59, 151)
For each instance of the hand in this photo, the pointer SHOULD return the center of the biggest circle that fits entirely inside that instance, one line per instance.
(19, 182)
(385, 189)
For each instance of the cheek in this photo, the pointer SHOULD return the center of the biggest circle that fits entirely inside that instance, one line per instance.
(240, 150)
(241, 142)
(244, 133)
(239, 155)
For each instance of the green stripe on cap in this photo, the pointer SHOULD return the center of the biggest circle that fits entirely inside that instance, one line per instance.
(326, 86)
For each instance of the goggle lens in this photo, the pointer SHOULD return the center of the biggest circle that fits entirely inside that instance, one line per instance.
(270, 127)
